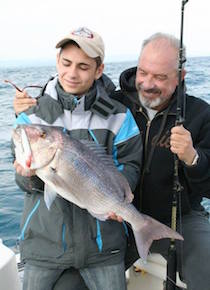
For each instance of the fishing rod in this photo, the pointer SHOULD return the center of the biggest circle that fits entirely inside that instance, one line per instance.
(177, 188)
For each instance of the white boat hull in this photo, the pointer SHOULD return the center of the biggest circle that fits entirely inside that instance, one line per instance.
(9, 279)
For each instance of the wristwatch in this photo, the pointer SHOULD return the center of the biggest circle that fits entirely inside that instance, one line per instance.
(195, 160)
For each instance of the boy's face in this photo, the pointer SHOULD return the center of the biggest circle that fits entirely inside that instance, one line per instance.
(76, 70)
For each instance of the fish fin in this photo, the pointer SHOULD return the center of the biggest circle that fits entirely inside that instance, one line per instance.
(49, 195)
(107, 162)
(101, 153)
(94, 146)
(152, 230)
(101, 217)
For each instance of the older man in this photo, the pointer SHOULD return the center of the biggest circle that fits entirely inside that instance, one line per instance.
(150, 90)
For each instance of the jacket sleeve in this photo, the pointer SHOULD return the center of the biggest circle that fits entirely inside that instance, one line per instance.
(199, 175)
(128, 150)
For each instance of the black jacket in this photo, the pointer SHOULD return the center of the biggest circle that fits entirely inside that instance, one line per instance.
(153, 195)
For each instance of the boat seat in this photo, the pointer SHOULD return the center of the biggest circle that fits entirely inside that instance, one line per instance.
(8, 269)
(156, 265)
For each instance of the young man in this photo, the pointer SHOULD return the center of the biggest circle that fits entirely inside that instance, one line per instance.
(150, 90)
(68, 238)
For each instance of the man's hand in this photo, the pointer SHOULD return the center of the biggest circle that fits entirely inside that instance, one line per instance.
(22, 171)
(182, 144)
(22, 102)
(115, 217)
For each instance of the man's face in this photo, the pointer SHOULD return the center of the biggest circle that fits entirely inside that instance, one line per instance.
(156, 77)
(76, 70)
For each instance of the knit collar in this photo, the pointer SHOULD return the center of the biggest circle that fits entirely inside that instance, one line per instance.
(70, 101)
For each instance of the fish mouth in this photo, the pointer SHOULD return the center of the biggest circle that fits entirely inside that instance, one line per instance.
(26, 148)
(24, 152)
(22, 147)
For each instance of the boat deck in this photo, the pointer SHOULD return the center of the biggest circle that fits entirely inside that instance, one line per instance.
(143, 281)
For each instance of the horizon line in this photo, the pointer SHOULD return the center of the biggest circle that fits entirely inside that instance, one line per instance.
(42, 61)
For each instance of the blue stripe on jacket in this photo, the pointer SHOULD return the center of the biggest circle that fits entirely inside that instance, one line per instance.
(22, 119)
(128, 129)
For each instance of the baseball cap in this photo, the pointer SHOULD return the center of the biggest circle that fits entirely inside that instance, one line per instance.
(89, 41)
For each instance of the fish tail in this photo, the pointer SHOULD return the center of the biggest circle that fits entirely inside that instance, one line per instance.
(152, 230)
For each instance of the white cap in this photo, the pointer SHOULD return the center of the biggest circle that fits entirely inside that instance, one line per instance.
(90, 42)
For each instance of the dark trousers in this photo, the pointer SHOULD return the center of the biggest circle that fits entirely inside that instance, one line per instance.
(195, 262)
(193, 265)
(99, 278)
(195, 269)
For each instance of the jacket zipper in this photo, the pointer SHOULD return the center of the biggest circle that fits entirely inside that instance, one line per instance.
(146, 137)
(148, 126)
(147, 130)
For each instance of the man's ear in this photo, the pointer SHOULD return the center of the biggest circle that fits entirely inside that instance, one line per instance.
(183, 74)
(99, 71)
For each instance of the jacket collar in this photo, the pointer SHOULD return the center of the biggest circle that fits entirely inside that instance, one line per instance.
(97, 99)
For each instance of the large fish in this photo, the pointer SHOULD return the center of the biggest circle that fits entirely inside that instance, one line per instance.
(82, 173)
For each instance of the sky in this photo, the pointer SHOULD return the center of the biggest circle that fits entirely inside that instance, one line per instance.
(30, 29)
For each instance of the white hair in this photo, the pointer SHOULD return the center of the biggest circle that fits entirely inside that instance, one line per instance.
(170, 39)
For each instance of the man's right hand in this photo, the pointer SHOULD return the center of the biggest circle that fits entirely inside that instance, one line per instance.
(23, 171)
(22, 102)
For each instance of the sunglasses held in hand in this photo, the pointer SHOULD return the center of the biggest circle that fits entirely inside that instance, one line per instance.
(21, 90)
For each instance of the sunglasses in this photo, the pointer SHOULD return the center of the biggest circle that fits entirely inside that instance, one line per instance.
(21, 90)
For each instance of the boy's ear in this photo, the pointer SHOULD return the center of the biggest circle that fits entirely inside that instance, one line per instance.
(99, 71)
